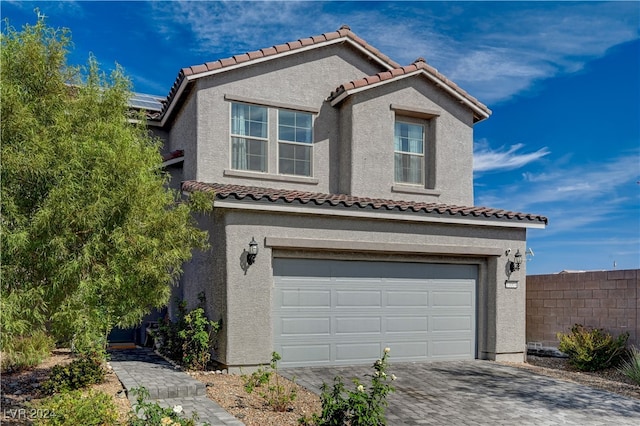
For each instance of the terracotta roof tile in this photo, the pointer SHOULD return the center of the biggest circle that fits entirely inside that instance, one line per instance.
(213, 65)
(268, 51)
(241, 192)
(227, 62)
(199, 68)
(255, 54)
(282, 48)
(173, 154)
(306, 41)
(241, 58)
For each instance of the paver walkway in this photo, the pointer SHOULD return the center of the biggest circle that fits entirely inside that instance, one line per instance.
(482, 393)
(167, 385)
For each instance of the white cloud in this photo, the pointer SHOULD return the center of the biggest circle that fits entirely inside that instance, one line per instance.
(574, 197)
(486, 159)
(492, 52)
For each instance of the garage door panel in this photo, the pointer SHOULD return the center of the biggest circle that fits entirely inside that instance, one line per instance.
(357, 352)
(448, 324)
(358, 325)
(451, 349)
(448, 299)
(401, 298)
(308, 298)
(304, 326)
(305, 353)
(358, 299)
(403, 325)
(409, 351)
(421, 311)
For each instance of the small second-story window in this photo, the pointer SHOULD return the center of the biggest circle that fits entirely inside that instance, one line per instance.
(295, 143)
(409, 153)
(249, 137)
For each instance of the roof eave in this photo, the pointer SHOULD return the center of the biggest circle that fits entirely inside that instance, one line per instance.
(297, 207)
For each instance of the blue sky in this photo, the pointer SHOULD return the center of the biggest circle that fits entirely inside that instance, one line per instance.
(562, 79)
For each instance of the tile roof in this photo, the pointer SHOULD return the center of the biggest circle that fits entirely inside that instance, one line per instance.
(399, 72)
(173, 154)
(240, 192)
(343, 32)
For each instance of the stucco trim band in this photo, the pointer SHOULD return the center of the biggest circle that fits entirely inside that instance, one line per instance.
(270, 176)
(345, 245)
(270, 206)
(409, 111)
(408, 189)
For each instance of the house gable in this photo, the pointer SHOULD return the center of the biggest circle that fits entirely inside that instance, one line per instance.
(343, 36)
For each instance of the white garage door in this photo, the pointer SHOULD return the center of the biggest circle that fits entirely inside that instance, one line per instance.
(328, 312)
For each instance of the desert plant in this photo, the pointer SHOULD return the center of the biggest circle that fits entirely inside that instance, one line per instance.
(77, 408)
(258, 378)
(25, 352)
(151, 413)
(592, 349)
(361, 406)
(631, 366)
(81, 372)
(275, 394)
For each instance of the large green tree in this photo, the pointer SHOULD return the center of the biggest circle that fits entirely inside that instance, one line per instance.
(91, 236)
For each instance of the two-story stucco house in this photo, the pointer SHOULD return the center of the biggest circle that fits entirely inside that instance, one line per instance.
(354, 176)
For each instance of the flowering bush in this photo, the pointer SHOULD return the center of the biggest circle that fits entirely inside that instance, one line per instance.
(363, 406)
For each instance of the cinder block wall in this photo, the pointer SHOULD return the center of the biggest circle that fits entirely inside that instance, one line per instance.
(603, 299)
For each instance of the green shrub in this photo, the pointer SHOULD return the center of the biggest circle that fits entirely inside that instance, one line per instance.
(592, 349)
(188, 340)
(359, 407)
(276, 395)
(151, 414)
(77, 408)
(81, 372)
(258, 378)
(26, 352)
(631, 366)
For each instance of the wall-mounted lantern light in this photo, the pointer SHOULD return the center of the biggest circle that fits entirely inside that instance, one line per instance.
(253, 251)
(514, 265)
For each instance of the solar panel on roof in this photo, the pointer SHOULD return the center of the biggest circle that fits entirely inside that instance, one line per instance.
(148, 102)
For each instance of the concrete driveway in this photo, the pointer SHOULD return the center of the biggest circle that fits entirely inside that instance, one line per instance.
(483, 393)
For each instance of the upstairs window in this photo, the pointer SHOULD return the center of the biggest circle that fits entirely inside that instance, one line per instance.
(249, 137)
(409, 153)
(295, 138)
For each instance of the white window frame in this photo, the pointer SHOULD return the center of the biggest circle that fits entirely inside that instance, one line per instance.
(421, 155)
(235, 135)
(280, 141)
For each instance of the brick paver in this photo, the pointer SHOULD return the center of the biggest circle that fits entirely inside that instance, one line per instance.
(167, 385)
(483, 393)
